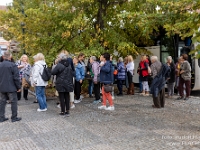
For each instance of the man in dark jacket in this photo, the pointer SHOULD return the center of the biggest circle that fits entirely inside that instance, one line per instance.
(10, 85)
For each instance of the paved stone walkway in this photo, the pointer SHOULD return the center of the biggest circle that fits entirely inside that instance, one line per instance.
(134, 125)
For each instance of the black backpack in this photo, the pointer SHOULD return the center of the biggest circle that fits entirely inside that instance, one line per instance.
(46, 74)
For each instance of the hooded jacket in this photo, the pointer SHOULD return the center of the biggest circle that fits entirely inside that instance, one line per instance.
(37, 70)
(64, 76)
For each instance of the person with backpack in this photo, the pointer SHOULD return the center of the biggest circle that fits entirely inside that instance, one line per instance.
(24, 71)
(96, 79)
(40, 76)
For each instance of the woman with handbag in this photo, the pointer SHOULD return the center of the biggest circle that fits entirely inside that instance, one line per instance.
(24, 70)
(106, 78)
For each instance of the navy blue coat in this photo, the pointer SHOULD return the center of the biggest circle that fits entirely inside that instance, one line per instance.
(159, 81)
(9, 77)
(106, 73)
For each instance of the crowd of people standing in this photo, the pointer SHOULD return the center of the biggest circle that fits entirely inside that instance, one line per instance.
(69, 74)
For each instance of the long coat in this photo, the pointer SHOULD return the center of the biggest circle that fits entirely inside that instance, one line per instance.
(64, 76)
(159, 81)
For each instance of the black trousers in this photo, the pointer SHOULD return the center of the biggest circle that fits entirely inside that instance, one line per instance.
(77, 89)
(160, 100)
(64, 101)
(120, 86)
(3, 100)
(97, 91)
(25, 91)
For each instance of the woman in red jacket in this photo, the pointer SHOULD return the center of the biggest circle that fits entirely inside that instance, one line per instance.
(144, 75)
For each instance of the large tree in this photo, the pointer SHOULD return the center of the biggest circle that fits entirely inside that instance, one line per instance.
(95, 26)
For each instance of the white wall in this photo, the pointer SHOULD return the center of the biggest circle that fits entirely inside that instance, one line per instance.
(155, 50)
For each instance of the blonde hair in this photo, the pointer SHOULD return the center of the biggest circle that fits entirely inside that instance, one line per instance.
(65, 52)
(24, 55)
(39, 56)
(130, 58)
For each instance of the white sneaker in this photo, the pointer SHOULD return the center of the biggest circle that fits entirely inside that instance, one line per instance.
(58, 105)
(72, 106)
(102, 107)
(77, 101)
(113, 97)
(40, 110)
(110, 108)
(81, 97)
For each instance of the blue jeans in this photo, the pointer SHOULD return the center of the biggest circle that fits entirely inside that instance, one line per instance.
(90, 87)
(40, 94)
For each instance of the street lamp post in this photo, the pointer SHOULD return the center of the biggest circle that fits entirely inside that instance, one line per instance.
(23, 32)
(23, 29)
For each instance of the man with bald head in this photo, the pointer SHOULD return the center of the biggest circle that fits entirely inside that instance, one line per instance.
(10, 85)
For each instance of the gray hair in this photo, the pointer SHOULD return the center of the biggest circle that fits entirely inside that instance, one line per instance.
(169, 58)
(154, 58)
(120, 59)
(62, 56)
(7, 55)
(93, 58)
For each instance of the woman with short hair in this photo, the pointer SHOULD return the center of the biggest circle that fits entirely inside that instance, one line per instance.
(185, 77)
(64, 82)
(120, 76)
(106, 78)
(24, 68)
(38, 82)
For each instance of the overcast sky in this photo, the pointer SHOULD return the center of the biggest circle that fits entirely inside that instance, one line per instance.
(4, 2)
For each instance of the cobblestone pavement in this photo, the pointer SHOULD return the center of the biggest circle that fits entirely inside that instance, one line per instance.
(134, 125)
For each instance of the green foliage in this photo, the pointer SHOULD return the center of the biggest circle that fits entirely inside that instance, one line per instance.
(93, 26)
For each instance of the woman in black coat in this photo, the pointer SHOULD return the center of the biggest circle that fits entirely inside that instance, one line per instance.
(64, 83)
(171, 79)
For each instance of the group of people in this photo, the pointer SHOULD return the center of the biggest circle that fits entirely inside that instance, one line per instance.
(69, 74)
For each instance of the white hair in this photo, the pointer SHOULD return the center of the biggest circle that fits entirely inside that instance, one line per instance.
(154, 58)
(62, 56)
(120, 59)
(169, 58)
(93, 58)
